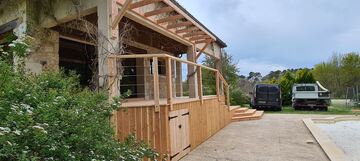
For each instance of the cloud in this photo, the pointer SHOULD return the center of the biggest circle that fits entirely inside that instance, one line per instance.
(254, 65)
(287, 33)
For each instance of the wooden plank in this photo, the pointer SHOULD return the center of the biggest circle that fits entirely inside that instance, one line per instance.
(179, 24)
(158, 11)
(121, 14)
(203, 41)
(217, 84)
(196, 33)
(143, 3)
(202, 50)
(139, 123)
(169, 19)
(156, 84)
(200, 86)
(199, 38)
(188, 29)
(169, 83)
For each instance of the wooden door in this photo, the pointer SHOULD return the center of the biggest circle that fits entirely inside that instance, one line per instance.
(179, 134)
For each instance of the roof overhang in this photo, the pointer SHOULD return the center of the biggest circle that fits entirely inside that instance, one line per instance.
(172, 17)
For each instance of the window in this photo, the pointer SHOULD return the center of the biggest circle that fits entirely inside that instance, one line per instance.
(305, 88)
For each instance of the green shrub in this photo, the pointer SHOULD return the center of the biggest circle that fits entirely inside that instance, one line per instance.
(237, 97)
(49, 117)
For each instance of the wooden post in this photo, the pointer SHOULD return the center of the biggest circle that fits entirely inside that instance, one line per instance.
(156, 84)
(179, 85)
(217, 84)
(113, 91)
(199, 79)
(228, 95)
(169, 83)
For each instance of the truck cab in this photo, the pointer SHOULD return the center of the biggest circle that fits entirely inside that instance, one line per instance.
(310, 96)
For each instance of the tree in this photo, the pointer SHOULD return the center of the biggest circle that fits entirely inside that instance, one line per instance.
(230, 72)
(304, 76)
(286, 82)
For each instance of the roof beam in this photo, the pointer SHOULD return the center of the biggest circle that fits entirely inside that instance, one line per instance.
(121, 14)
(142, 3)
(199, 38)
(186, 30)
(203, 49)
(196, 33)
(170, 18)
(203, 41)
(158, 11)
(180, 24)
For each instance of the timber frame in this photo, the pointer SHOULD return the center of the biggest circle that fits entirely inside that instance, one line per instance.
(157, 70)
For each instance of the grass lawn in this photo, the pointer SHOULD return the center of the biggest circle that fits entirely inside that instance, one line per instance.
(338, 107)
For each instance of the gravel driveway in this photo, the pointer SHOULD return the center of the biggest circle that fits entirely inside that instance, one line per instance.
(276, 137)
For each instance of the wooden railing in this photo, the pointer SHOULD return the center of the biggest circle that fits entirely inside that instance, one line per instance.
(221, 85)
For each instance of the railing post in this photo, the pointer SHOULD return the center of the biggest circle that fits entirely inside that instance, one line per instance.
(217, 84)
(113, 90)
(200, 90)
(169, 83)
(228, 95)
(156, 84)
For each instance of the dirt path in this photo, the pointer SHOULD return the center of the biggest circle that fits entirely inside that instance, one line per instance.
(276, 137)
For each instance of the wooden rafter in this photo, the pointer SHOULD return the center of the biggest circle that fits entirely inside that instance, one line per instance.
(202, 41)
(158, 11)
(180, 24)
(199, 38)
(196, 33)
(143, 3)
(186, 30)
(170, 18)
(121, 14)
(203, 49)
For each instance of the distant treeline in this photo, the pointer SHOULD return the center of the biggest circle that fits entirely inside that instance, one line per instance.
(337, 74)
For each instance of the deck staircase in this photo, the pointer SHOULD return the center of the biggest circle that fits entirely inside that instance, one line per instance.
(244, 114)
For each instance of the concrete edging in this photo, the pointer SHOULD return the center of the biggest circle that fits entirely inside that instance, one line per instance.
(333, 152)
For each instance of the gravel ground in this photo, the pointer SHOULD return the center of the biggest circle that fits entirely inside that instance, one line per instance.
(345, 134)
(276, 137)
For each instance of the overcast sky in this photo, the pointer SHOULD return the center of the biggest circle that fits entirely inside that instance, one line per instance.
(265, 35)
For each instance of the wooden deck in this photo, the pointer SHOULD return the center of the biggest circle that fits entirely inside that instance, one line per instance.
(140, 118)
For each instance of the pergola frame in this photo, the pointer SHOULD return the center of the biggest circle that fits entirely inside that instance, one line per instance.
(178, 22)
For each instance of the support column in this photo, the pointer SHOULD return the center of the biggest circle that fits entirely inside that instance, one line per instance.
(108, 39)
(179, 84)
(107, 44)
(191, 56)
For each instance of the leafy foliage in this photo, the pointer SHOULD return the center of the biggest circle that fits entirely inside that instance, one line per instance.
(304, 76)
(230, 72)
(286, 82)
(339, 72)
(48, 117)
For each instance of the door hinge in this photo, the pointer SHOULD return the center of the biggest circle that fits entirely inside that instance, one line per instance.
(188, 147)
(172, 117)
(188, 113)
(171, 157)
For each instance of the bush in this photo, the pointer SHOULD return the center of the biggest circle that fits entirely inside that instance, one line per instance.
(49, 117)
(237, 97)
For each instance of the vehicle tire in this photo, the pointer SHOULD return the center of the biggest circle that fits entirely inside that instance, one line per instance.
(324, 108)
(277, 109)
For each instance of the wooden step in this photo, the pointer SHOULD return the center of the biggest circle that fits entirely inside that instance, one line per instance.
(256, 116)
(240, 110)
(234, 107)
(246, 113)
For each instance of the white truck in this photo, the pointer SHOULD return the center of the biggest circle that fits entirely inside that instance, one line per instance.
(310, 96)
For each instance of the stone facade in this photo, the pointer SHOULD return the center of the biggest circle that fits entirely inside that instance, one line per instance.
(46, 56)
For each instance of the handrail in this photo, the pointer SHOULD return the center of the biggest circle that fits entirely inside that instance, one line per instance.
(220, 76)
